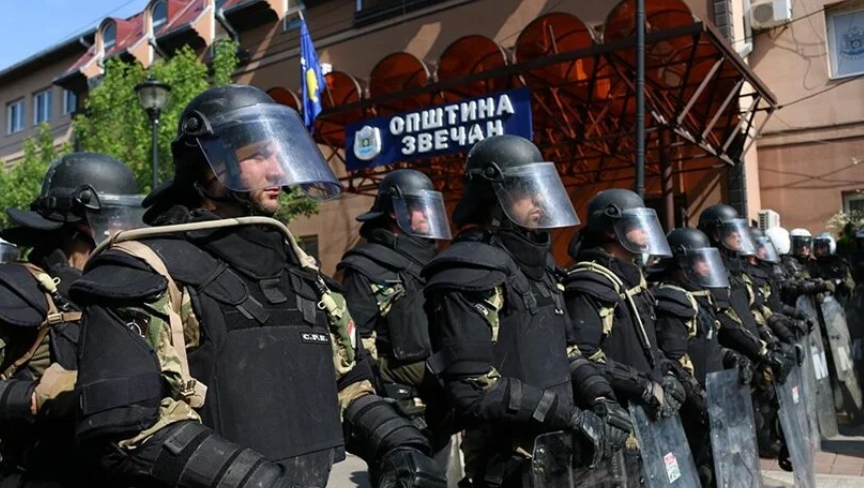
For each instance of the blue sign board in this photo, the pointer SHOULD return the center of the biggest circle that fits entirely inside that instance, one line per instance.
(439, 130)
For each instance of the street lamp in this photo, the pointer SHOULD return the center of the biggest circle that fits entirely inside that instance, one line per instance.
(153, 96)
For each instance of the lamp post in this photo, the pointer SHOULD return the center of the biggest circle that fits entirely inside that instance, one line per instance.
(153, 95)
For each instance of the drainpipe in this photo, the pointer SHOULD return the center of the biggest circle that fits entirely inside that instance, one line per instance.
(220, 16)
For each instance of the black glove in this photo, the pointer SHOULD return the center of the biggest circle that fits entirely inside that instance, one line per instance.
(593, 429)
(809, 287)
(653, 398)
(408, 468)
(801, 327)
(695, 395)
(732, 359)
(675, 395)
(779, 363)
(617, 423)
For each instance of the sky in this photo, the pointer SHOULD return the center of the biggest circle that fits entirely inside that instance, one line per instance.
(30, 26)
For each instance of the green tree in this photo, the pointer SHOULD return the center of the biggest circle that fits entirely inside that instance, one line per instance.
(20, 183)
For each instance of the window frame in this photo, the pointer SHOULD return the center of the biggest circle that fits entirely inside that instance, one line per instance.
(830, 37)
(153, 25)
(852, 196)
(105, 45)
(48, 93)
(66, 93)
(22, 115)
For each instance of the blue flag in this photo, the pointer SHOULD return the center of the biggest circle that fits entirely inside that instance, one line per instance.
(311, 78)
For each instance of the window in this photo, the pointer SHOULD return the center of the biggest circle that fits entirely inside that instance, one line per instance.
(109, 36)
(159, 15)
(853, 202)
(310, 245)
(70, 102)
(845, 42)
(371, 11)
(15, 117)
(42, 107)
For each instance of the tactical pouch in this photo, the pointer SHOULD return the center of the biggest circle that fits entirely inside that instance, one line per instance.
(407, 325)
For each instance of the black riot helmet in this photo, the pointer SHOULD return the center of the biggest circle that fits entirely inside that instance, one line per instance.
(90, 188)
(636, 226)
(700, 263)
(765, 250)
(419, 209)
(508, 172)
(249, 141)
(725, 228)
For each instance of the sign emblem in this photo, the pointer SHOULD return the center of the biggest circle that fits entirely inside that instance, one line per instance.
(367, 143)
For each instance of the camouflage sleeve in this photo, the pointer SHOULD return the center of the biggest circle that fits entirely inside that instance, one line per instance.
(152, 320)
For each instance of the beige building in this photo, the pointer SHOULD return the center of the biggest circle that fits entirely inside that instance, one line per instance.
(394, 56)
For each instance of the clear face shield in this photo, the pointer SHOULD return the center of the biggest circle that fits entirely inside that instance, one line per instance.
(801, 246)
(735, 236)
(821, 247)
(533, 197)
(765, 250)
(704, 268)
(422, 214)
(8, 252)
(639, 232)
(267, 146)
(115, 213)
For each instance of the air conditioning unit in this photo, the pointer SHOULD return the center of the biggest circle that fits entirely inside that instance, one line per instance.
(771, 14)
(768, 219)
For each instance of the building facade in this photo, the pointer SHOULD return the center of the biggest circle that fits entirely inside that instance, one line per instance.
(353, 36)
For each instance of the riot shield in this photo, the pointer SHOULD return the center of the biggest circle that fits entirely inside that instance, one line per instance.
(855, 321)
(840, 341)
(733, 430)
(793, 420)
(824, 395)
(809, 384)
(553, 465)
(666, 456)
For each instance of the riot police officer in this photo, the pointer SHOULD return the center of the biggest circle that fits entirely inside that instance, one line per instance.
(830, 266)
(214, 353)
(611, 308)
(383, 283)
(497, 319)
(81, 194)
(799, 266)
(739, 329)
(687, 331)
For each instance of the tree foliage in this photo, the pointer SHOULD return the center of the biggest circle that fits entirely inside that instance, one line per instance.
(114, 123)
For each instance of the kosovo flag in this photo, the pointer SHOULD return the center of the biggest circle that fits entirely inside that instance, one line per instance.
(311, 78)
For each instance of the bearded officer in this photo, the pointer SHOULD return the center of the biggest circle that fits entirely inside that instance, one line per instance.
(497, 320)
(83, 196)
(218, 356)
(384, 286)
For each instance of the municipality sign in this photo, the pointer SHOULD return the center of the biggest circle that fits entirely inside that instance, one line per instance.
(437, 131)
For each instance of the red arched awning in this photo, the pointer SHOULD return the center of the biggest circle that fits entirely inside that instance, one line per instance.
(340, 89)
(470, 55)
(286, 97)
(397, 72)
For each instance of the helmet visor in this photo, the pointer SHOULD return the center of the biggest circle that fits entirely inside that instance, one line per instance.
(703, 267)
(801, 245)
(422, 214)
(765, 250)
(534, 197)
(8, 252)
(267, 146)
(821, 247)
(115, 213)
(639, 231)
(735, 236)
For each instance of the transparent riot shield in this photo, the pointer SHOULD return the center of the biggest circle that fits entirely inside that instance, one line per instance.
(809, 384)
(733, 430)
(552, 461)
(840, 341)
(554, 466)
(824, 395)
(855, 321)
(793, 420)
(666, 456)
